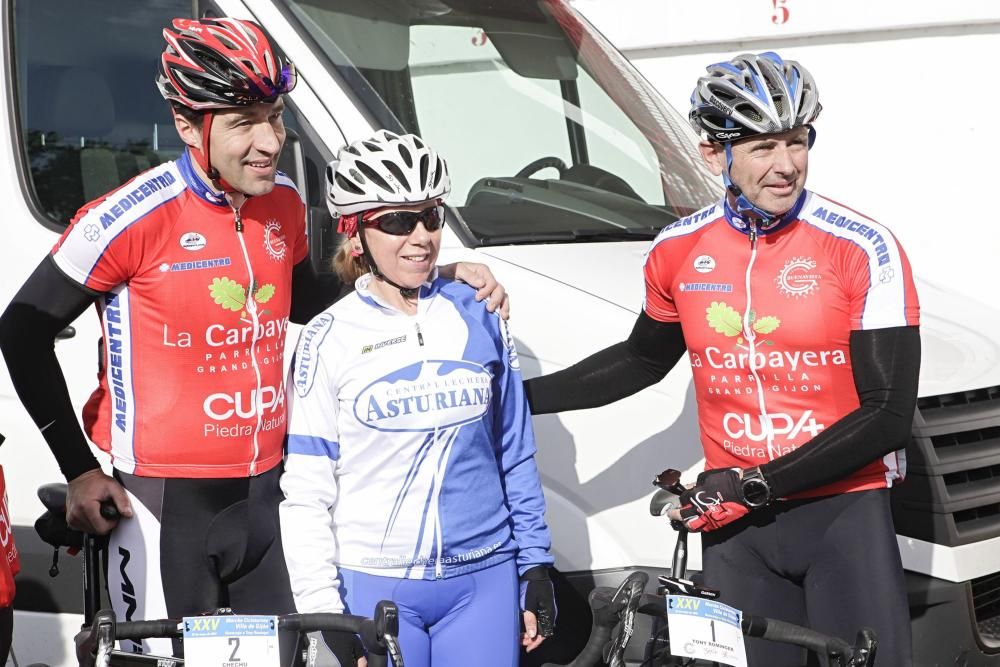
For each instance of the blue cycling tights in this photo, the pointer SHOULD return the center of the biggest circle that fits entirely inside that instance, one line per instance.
(471, 619)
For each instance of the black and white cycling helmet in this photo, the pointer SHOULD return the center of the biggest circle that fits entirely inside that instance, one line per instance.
(386, 170)
(753, 94)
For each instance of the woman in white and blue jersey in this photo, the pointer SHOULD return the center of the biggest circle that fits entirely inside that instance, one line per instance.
(410, 471)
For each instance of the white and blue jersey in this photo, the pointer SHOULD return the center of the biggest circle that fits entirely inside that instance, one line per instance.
(410, 451)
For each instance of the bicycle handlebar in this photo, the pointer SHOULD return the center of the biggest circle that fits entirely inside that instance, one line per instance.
(378, 633)
(606, 617)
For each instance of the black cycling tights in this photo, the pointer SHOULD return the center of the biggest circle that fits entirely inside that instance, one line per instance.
(830, 563)
(196, 545)
(6, 632)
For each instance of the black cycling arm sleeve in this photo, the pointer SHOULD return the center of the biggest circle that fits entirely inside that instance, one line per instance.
(615, 372)
(312, 292)
(45, 305)
(886, 365)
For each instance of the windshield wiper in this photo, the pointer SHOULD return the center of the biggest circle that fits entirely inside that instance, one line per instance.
(572, 235)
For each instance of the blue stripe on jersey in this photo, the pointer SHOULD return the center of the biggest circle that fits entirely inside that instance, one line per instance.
(125, 228)
(411, 475)
(420, 533)
(194, 182)
(686, 225)
(312, 445)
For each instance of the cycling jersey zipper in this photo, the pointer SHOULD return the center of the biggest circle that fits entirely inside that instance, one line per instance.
(438, 475)
(751, 337)
(251, 308)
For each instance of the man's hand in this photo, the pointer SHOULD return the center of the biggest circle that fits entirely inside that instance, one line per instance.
(538, 605)
(83, 502)
(480, 277)
(713, 502)
(334, 649)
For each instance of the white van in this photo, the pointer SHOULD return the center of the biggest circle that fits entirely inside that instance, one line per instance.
(566, 163)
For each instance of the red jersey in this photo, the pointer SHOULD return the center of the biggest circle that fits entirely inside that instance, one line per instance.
(10, 563)
(767, 324)
(194, 314)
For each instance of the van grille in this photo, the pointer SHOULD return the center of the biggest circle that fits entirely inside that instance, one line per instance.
(986, 603)
(958, 398)
(952, 491)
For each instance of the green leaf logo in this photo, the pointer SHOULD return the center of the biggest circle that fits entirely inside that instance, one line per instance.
(724, 319)
(264, 294)
(227, 293)
(231, 295)
(766, 325)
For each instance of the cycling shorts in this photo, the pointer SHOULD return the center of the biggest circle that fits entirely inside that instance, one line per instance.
(194, 545)
(470, 619)
(829, 563)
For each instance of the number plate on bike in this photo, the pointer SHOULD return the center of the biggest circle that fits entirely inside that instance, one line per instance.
(705, 629)
(231, 641)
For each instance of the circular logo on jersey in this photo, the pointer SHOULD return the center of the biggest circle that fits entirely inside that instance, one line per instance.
(704, 263)
(798, 277)
(193, 241)
(274, 240)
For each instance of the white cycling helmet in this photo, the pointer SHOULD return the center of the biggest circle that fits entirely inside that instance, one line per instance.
(753, 94)
(385, 170)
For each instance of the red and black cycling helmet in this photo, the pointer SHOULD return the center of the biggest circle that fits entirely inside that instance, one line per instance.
(220, 63)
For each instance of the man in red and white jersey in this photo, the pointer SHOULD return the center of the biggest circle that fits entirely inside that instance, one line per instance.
(10, 565)
(196, 267)
(800, 320)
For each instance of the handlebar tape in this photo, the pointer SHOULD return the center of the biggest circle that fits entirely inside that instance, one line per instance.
(788, 633)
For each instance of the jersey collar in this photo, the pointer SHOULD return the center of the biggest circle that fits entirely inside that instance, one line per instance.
(741, 224)
(428, 289)
(195, 184)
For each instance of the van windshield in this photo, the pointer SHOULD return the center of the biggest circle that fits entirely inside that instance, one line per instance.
(549, 133)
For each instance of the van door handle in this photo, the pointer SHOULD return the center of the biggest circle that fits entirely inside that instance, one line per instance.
(68, 332)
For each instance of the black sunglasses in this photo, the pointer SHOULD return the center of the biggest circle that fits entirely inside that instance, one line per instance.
(402, 223)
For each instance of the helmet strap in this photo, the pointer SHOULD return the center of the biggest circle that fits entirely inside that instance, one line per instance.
(203, 157)
(406, 292)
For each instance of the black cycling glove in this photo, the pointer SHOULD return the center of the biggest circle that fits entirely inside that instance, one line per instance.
(333, 648)
(715, 501)
(539, 597)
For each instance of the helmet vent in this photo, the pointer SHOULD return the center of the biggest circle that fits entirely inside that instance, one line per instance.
(397, 172)
(373, 147)
(438, 172)
(404, 153)
(352, 150)
(417, 142)
(425, 164)
(228, 43)
(348, 185)
(374, 177)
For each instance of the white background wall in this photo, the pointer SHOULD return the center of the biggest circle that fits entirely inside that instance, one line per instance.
(909, 132)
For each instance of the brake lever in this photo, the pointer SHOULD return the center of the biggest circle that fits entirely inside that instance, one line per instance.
(865, 648)
(626, 598)
(387, 630)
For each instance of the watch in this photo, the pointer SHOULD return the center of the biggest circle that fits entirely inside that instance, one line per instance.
(756, 491)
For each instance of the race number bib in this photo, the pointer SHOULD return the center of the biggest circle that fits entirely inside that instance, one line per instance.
(705, 629)
(231, 641)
